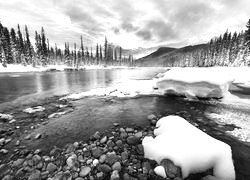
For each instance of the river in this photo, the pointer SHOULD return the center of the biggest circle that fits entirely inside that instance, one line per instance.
(98, 113)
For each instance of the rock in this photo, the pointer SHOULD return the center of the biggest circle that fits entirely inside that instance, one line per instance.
(153, 122)
(170, 169)
(27, 137)
(146, 167)
(115, 175)
(2, 141)
(4, 151)
(36, 159)
(99, 175)
(124, 155)
(129, 130)
(138, 135)
(126, 176)
(34, 109)
(37, 151)
(38, 136)
(8, 177)
(140, 149)
(44, 174)
(104, 168)
(95, 162)
(116, 124)
(97, 152)
(70, 148)
(110, 144)
(17, 143)
(119, 143)
(85, 171)
(79, 178)
(103, 140)
(102, 158)
(89, 161)
(72, 161)
(152, 117)
(133, 140)
(97, 135)
(35, 176)
(117, 166)
(123, 135)
(7, 141)
(12, 121)
(51, 167)
(18, 162)
(111, 158)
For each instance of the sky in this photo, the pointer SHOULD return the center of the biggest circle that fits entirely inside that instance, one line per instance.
(128, 23)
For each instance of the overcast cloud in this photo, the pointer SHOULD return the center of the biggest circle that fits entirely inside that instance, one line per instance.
(129, 23)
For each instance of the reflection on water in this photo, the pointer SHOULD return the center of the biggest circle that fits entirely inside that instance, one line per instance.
(28, 87)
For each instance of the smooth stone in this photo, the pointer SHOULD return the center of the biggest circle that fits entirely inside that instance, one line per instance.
(85, 171)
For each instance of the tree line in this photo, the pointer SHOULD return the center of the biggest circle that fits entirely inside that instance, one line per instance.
(229, 49)
(16, 48)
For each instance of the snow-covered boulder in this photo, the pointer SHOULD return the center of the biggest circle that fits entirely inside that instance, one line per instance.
(189, 148)
(34, 109)
(195, 82)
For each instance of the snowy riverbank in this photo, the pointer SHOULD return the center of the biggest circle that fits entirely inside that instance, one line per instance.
(18, 68)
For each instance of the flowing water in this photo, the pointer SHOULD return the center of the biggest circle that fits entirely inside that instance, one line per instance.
(99, 113)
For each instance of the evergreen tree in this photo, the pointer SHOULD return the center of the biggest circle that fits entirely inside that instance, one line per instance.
(97, 53)
(20, 46)
(7, 46)
(120, 53)
(247, 34)
(28, 48)
(100, 53)
(44, 51)
(106, 49)
(82, 51)
(13, 43)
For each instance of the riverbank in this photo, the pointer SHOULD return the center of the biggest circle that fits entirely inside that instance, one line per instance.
(23, 159)
(18, 68)
(115, 153)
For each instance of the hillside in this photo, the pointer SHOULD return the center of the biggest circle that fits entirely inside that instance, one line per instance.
(165, 56)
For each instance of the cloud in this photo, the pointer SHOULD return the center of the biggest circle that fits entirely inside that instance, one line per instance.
(127, 22)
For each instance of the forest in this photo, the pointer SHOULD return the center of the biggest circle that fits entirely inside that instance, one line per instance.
(16, 48)
(229, 49)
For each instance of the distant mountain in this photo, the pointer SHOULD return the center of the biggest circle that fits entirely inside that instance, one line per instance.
(167, 55)
(139, 52)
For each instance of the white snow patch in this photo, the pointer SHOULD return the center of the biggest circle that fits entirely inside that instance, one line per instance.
(6, 117)
(190, 148)
(241, 120)
(34, 109)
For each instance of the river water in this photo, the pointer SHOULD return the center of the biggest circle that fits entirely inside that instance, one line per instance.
(95, 113)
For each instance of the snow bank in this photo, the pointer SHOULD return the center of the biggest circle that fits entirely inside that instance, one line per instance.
(196, 82)
(189, 148)
(129, 88)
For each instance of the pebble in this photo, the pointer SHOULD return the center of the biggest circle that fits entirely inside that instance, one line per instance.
(51, 168)
(117, 166)
(115, 175)
(85, 171)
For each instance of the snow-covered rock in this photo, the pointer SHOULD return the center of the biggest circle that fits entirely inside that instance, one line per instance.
(6, 117)
(189, 148)
(195, 82)
(34, 109)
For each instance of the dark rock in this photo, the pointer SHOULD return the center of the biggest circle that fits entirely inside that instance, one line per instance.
(133, 140)
(110, 143)
(123, 135)
(104, 168)
(140, 149)
(18, 162)
(36, 159)
(119, 143)
(170, 168)
(124, 156)
(97, 152)
(102, 158)
(111, 158)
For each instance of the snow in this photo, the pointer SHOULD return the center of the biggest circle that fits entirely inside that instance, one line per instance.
(6, 117)
(241, 120)
(129, 88)
(189, 148)
(11, 68)
(34, 109)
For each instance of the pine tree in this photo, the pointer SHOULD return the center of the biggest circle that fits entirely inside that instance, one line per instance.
(120, 53)
(20, 46)
(100, 53)
(13, 43)
(44, 52)
(97, 53)
(28, 48)
(82, 51)
(115, 54)
(247, 34)
(7, 46)
(106, 49)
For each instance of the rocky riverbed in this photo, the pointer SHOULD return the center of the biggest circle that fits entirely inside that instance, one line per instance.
(116, 153)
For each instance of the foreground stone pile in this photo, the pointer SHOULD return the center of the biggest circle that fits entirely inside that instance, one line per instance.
(114, 154)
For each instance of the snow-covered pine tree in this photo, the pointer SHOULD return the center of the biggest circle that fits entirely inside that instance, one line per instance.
(6, 46)
(20, 46)
(14, 46)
